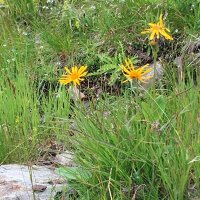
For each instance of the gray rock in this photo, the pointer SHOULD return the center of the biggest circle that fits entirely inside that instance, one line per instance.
(65, 159)
(159, 74)
(17, 182)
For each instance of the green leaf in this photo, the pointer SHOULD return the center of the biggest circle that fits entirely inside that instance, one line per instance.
(107, 68)
(74, 173)
(146, 111)
(106, 59)
(154, 111)
(159, 109)
(114, 77)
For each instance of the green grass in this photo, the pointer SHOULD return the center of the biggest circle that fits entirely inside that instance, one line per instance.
(128, 145)
(119, 143)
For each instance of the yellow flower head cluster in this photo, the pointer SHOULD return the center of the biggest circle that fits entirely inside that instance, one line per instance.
(157, 29)
(75, 75)
(131, 73)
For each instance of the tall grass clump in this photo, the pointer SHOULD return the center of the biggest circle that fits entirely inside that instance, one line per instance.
(144, 149)
(28, 117)
(34, 109)
(143, 144)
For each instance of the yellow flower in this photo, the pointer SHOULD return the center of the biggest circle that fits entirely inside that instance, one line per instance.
(158, 29)
(153, 42)
(75, 75)
(77, 24)
(131, 73)
(17, 119)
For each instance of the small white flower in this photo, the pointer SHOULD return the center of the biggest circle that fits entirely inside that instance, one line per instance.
(93, 7)
(50, 1)
(4, 45)
(24, 33)
(45, 7)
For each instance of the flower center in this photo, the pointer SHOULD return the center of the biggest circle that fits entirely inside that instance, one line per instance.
(74, 76)
(157, 27)
(133, 75)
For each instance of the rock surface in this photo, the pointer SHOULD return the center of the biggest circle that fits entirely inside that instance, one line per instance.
(65, 159)
(17, 182)
(159, 75)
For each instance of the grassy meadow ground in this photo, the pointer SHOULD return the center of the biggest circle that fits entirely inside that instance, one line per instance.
(128, 143)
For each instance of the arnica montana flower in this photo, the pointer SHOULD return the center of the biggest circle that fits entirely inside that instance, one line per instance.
(158, 29)
(132, 73)
(75, 75)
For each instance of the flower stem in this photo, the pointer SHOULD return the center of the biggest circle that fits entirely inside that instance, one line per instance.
(155, 50)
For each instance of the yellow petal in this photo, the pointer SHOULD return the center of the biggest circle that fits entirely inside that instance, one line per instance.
(152, 35)
(122, 67)
(76, 81)
(143, 67)
(161, 21)
(127, 62)
(147, 71)
(73, 69)
(126, 70)
(157, 33)
(64, 76)
(168, 37)
(148, 77)
(67, 70)
(131, 64)
(83, 74)
(145, 32)
(152, 24)
(65, 81)
(125, 81)
(82, 69)
(148, 30)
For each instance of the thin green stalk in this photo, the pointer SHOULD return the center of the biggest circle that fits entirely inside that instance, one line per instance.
(155, 50)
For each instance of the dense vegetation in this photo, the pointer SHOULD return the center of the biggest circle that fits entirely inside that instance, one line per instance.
(129, 143)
